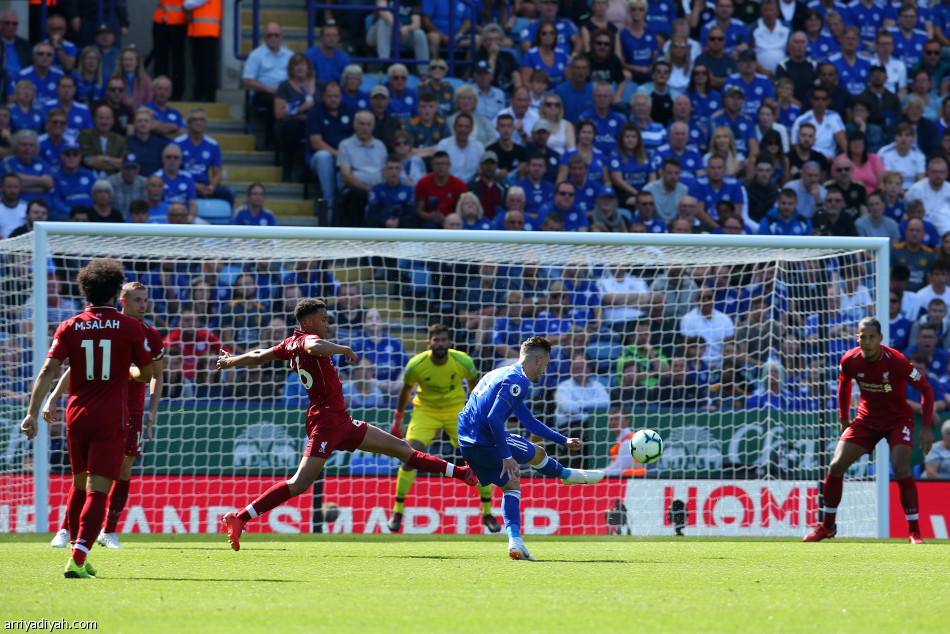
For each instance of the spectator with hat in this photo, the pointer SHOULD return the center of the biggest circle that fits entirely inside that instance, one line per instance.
(486, 186)
(491, 99)
(732, 116)
(756, 87)
(128, 184)
(143, 145)
(109, 50)
(385, 124)
(606, 212)
(73, 183)
(538, 144)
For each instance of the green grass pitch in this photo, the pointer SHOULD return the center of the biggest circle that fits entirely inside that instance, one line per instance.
(428, 584)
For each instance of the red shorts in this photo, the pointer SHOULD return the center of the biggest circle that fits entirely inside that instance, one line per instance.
(860, 433)
(135, 442)
(96, 452)
(333, 430)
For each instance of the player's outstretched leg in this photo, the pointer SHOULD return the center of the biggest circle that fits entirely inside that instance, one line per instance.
(379, 441)
(273, 497)
(511, 512)
(550, 467)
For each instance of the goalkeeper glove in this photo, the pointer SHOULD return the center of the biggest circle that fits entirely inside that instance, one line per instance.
(396, 429)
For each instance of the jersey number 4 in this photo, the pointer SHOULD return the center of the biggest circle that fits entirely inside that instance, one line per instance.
(106, 345)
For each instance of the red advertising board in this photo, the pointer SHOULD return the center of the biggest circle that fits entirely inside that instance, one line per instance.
(436, 505)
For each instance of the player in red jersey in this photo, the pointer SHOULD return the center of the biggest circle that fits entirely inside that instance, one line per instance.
(134, 300)
(882, 374)
(329, 426)
(101, 344)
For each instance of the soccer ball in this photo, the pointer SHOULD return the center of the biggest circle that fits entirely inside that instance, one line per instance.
(646, 446)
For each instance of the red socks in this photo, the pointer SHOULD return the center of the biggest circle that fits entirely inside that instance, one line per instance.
(424, 462)
(908, 492)
(832, 498)
(117, 499)
(90, 523)
(74, 505)
(272, 498)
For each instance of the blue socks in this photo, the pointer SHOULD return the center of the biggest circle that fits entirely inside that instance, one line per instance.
(511, 512)
(552, 468)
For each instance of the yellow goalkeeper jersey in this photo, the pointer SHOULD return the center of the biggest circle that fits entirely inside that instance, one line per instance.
(440, 386)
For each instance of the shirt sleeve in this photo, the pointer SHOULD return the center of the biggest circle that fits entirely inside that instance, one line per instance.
(536, 427)
(58, 349)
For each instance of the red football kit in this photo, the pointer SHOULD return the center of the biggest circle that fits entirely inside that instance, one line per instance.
(100, 343)
(329, 426)
(883, 411)
(135, 442)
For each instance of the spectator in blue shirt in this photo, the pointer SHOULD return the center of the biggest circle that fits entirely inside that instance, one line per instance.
(741, 124)
(25, 113)
(385, 351)
(201, 158)
(166, 121)
(73, 183)
(568, 36)
(42, 73)
(403, 101)
(756, 88)
(737, 36)
(143, 144)
(577, 95)
(328, 61)
(783, 220)
(328, 123)
(607, 122)
(392, 201)
(51, 143)
(90, 81)
(35, 174)
(538, 190)
(253, 213)
(179, 185)
(78, 116)
(586, 190)
(575, 219)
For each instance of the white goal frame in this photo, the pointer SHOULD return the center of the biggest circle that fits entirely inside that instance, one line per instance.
(43, 231)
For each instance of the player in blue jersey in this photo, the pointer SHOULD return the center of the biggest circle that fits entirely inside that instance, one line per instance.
(494, 454)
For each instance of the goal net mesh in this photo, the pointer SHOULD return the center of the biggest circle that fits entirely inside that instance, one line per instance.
(730, 354)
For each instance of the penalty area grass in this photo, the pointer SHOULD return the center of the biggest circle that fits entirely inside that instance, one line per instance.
(429, 583)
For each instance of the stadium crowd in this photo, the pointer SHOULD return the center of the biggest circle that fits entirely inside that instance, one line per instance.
(725, 117)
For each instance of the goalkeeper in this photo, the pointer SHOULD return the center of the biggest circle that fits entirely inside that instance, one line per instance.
(440, 396)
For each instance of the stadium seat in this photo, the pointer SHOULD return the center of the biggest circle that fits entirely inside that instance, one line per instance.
(367, 464)
(454, 82)
(369, 81)
(603, 355)
(628, 91)
(216, 212)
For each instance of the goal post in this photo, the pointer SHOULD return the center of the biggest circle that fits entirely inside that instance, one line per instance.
(737, 470)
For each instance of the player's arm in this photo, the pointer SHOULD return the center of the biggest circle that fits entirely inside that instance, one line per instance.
(536, 427)
(40, 387)
(155, 392)
(323, 348)
(844, 400)
(920, 382)
(142, 374)
(401, 402)
(260, 356)
(49, 411)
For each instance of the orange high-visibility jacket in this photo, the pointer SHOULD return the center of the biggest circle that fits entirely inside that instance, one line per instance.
(171, 12)
(206, 20)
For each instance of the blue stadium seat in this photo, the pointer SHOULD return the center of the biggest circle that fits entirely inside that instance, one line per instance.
(367, 464)
(454, 82)
(603, 354)
(369, 81)
(629, 89)
(516, 51)
(217, 212)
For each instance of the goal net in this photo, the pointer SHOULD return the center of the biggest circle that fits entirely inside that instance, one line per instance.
(726, 346)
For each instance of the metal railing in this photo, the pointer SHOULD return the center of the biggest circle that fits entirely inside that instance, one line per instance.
(313, 6)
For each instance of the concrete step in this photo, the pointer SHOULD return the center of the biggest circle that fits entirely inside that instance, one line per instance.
(232, 158)
(253, 173)
(235, 142)
(285, 207)
(225, 126)
(214, 110)
(275, 189)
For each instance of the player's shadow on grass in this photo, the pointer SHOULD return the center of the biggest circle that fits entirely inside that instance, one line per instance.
(592, 561)
(203, 580)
